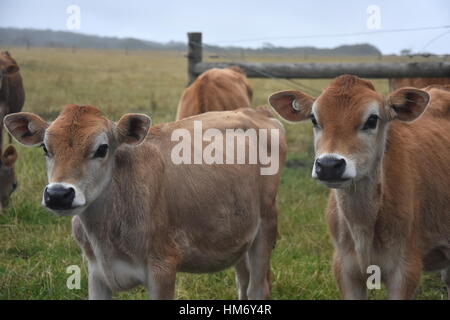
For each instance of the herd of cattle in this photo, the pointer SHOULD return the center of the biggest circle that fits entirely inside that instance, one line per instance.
(139, 218)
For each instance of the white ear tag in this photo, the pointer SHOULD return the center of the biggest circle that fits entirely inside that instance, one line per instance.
(295, 105)
(30, 127)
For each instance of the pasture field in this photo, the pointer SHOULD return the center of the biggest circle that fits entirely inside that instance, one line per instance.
(36, 247)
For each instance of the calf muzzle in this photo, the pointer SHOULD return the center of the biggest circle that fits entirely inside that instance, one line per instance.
(330, 168)
(59, 197)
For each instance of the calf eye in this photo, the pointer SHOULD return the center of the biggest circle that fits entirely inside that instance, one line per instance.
(371, 122)
(101, 151)
(314, 121)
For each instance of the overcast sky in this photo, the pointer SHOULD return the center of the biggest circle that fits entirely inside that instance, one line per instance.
(247, 22)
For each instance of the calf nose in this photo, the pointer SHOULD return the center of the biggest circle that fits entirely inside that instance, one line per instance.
(59, 197)
(330, 168)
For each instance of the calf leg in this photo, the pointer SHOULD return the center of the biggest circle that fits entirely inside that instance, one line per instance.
(403, 282)
(351, 282)
(446, 278)
(243, 277)
(98, 290)
(161, 282)
(259, 256)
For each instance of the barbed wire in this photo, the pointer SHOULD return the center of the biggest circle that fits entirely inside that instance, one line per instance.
(265, 74)
(335, 35)
(298, 84)
(433, 40)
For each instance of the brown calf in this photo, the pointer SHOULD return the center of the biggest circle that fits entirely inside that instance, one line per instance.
(8, 182)
(397, 83)
(389, 177)
(12, 95)
(139, 217)
(216, 90)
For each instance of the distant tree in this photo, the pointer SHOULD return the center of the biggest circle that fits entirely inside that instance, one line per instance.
(405, 52)
(268, 45)
(64, 39)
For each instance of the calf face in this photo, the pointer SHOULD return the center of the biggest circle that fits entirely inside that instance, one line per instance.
(79, 148)
(350, 122)
(8, 182)
(8, 66)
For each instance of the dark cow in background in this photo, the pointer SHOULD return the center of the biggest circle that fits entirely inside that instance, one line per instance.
(216, 90)
(8, 182)
(12, 95)
(397, 83)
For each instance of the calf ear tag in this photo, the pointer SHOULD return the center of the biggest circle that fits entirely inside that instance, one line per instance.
(295, 105)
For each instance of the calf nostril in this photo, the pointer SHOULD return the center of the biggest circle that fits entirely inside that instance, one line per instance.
(46, 195)
(339, 164)
(318, 166)
(70, 193)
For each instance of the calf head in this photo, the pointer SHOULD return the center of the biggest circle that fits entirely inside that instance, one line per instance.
(350, 121)
(79, 148)
(8, 182)
(8, 66)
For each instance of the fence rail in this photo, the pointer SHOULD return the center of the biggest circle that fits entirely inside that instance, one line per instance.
(331, 70)
(315, 70)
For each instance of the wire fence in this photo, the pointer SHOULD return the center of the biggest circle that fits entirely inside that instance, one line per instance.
(298, 84)
(295, 83)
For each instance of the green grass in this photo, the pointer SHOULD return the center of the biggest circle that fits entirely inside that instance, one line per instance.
(37, 247)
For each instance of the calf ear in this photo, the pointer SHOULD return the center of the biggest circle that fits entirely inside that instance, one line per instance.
(27, 128)
(9, 157)
(12, 68)
(133, 128)
(292, 105)
(407, 104)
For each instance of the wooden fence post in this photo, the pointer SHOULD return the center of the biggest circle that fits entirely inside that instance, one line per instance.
(194, 54)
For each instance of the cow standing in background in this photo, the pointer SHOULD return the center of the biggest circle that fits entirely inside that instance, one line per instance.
(387, 163)
(397, 83)
(216, 90)
(12, 94)
(8, 182)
